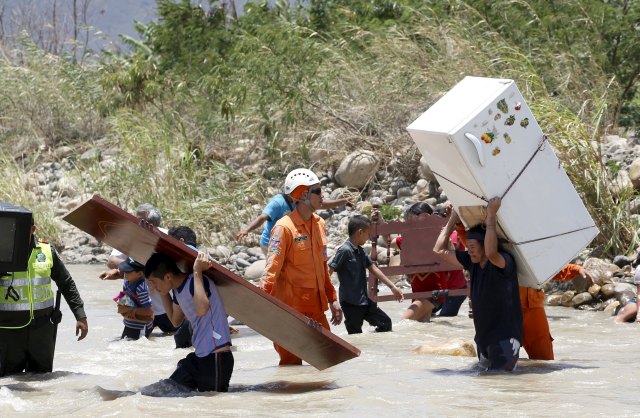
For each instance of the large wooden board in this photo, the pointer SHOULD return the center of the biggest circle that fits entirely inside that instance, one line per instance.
(242, 300)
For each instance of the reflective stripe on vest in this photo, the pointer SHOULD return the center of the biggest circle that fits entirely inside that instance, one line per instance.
(31, 287)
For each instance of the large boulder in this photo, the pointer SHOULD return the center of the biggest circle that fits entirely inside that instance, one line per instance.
(621, 184)
(625, 291)
(610, 307)
(600, 270)
(554, 300)
(594, 290)
(567, 298)
(425, 170)
(356, 169)
(323, 146)
(220, 252)
(254, 271)
(63, 152)
(427, 174)
(91, 155)
(634, 173)
(621, 291)
(454, 347)
(581, 299)
(608, 290)
(609, 141)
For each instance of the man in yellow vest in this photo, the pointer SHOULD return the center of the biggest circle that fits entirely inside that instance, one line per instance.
(28, 320)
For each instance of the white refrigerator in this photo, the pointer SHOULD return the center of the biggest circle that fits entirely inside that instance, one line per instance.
(481, 140)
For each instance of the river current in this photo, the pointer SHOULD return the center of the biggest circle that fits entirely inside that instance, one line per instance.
(595, 372)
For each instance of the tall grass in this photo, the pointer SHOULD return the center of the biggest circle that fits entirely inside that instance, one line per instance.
(155, 164)
(208, 140)
(45, 101)
(15, 189)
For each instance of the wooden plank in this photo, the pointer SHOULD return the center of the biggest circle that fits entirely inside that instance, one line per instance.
(424, 295)
(242, 300)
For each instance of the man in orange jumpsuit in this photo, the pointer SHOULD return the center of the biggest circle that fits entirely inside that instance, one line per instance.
(296, 271)
(537, 339)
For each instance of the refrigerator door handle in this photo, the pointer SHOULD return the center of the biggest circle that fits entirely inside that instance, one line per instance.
(476, 143)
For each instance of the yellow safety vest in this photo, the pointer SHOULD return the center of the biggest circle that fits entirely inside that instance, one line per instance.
(29, 290)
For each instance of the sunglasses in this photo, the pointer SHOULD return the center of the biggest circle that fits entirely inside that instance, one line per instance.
(317, 191)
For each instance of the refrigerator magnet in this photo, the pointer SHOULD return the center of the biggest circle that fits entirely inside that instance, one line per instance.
(503, 106)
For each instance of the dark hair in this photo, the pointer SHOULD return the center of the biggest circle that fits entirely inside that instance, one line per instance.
(476, 232)
(417, 209)
(440, 212)
(160, 264)
(186, 234)
(357, 222)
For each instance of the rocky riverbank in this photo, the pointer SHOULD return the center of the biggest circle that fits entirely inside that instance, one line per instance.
(388, 185)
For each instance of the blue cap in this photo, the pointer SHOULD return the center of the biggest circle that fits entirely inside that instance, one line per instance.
(129, 265)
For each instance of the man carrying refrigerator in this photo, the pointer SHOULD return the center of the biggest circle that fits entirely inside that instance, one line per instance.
(497, 314)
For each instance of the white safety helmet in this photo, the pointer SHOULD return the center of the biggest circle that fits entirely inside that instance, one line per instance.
(299, 177)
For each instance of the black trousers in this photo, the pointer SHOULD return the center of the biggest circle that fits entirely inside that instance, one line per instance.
(28, 349)
(183, 335)
(135, 333)
(164, 323)
(355, 315)
(500, 355)
(209, 373)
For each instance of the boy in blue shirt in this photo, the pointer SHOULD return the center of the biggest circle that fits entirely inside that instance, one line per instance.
(351, 263)
(196, 297)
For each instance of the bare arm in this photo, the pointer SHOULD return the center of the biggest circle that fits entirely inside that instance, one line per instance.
(259, 220)
(442, 248)
(200, 299)
(173, 311)
(491, 237)
(112, 274)
(375, 270)
(332, 296)
(330, 204)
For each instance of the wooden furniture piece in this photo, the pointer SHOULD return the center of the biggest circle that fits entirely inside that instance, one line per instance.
(262, 312)
(419, 236)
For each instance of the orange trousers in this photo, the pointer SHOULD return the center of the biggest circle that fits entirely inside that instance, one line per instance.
(537, 337)
(287, 358)
(538, 342)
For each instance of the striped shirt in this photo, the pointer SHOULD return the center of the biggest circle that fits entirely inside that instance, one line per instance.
(210, 331)
(141, 291)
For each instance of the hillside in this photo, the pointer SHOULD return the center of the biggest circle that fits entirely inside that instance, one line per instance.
(207, 113)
